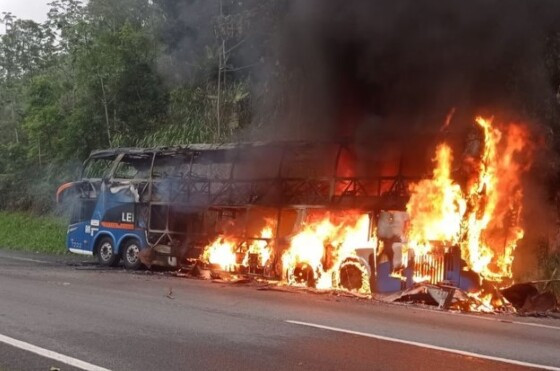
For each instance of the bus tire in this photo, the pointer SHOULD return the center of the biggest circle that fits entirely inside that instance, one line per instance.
(130, 251)
(106, 254)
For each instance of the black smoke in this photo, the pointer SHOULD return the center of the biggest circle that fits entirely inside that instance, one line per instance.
(359, 68)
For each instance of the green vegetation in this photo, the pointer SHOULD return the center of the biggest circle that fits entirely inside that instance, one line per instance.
(24, 231)
(104, 73)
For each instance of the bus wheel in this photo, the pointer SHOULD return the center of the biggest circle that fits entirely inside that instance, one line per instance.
(130, 252)
(106, 253)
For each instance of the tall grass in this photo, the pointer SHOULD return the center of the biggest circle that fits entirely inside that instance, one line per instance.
(25, 231)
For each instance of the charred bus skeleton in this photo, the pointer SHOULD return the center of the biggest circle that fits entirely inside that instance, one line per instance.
(165, 206)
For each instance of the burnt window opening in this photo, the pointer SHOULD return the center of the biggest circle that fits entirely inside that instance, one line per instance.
(97, 168)
(82, 210)
(166, 166)
(215, 164)
(159, 215)
(133, 167)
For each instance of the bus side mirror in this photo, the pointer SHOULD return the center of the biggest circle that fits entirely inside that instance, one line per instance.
(64, 190)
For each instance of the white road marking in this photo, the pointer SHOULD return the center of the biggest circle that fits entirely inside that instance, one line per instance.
(532, 324)
(482, 317)
(74, 362)
(26, 259)
(428, 346)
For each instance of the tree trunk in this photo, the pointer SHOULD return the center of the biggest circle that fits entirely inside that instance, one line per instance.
(39, 145)
(218, 116)
(104, 101)
(14, 120)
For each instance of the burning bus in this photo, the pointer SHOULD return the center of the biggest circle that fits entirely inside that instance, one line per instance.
(326, 215)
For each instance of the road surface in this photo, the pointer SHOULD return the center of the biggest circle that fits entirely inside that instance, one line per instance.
(54, 313)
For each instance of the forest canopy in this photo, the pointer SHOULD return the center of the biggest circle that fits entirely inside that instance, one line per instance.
(119, 73)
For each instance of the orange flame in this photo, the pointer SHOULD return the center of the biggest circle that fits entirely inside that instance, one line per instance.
(325, 245)
(480, 214)
(436, 206)
(261, 247)
(223, 250)
(484, 220)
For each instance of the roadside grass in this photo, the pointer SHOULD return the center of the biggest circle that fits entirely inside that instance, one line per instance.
(28, 232)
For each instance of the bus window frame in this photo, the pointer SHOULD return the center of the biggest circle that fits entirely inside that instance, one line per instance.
(150, 160)
(107, 175)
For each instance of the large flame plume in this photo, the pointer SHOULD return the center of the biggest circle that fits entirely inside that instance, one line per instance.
(482, 216)
(436, 206)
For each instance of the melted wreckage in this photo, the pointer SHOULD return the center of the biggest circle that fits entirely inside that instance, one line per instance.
(328, 216)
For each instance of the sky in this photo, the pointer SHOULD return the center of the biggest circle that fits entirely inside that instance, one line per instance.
(26, 9)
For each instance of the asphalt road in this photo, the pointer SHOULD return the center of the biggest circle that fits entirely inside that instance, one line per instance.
(122, 321)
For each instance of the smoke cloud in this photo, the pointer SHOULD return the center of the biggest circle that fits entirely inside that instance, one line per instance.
(393, 66)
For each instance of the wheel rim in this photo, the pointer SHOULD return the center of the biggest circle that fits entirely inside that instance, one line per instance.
(132, 253)
(106, 251)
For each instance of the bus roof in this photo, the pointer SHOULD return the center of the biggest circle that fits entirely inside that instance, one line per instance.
(112, 152)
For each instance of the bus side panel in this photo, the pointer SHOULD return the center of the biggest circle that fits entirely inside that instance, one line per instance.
(78, 238)
(82, 226)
